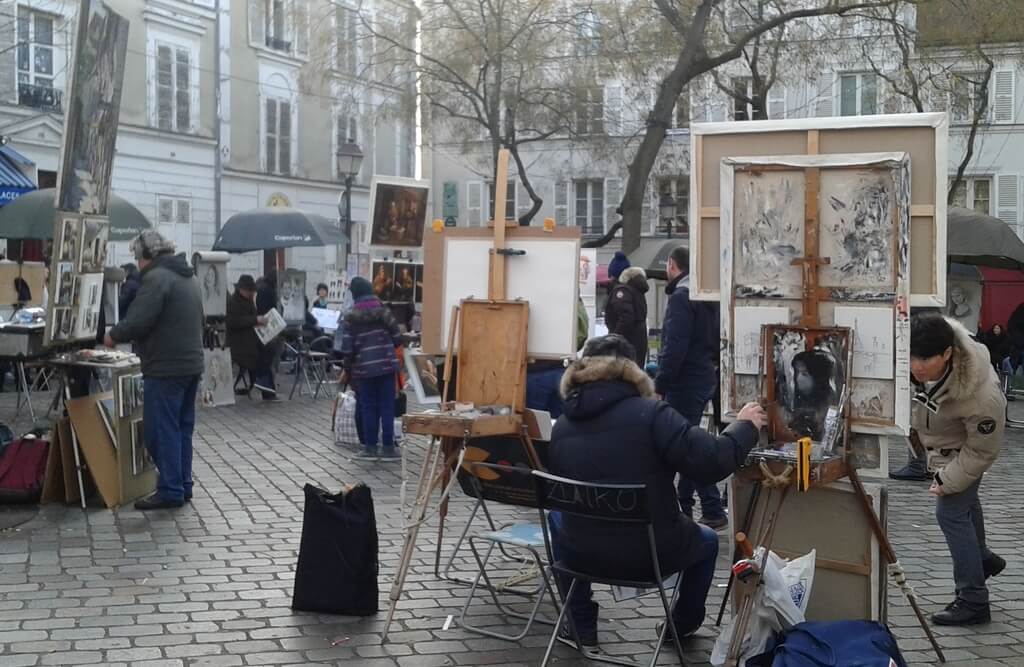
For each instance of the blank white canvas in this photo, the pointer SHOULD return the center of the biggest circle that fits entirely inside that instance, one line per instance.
(748, 321)
(547, 276)
(873, 351)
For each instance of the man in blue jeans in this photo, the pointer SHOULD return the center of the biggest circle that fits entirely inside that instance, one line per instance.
(614, 430)
(687, 375)
(166, 323)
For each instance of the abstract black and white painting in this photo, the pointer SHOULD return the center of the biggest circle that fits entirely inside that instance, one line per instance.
(769, 228)
(857, 229)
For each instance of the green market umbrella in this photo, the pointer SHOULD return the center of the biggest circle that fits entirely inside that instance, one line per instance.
(30, 216)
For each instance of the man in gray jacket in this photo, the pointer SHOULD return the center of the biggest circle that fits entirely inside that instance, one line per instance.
(166, 323)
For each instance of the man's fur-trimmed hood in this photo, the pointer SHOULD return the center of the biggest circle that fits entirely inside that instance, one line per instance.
(608, 369)
(971, 364)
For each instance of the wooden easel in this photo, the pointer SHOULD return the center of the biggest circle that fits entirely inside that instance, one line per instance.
(483, 379)
(775, 478)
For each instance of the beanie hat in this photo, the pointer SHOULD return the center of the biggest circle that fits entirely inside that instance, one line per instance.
(618, 264)
(360, 287)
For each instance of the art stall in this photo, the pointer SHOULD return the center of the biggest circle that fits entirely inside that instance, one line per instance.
(494, 298)
(98, 441)
(804, 237)
(398, 223)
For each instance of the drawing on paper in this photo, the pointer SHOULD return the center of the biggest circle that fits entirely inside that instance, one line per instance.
(746, 339)
(809, 371)
(217, 385)
(857, 228)
(872, 400)
(964, 302)
(90, 288)
(93, 251)
(769, 224)
(291, 292)
(873, 352)
(213, 283)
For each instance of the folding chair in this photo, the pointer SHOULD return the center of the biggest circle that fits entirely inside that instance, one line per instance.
(510, 450)
(244, 377)
(507, 485)
(614, 504)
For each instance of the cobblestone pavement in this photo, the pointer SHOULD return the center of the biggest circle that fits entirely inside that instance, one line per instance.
(210, 584)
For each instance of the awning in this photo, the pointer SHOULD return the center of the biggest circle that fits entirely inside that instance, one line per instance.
(16, 157)
(13, 183)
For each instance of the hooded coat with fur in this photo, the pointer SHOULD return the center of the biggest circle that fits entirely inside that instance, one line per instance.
(370, 338)
(626, 311)
(614, 431)
(961, 419)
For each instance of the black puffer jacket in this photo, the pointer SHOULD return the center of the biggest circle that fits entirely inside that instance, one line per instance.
(626, 311)
(166, 320)
(614, 431)
(240, 323)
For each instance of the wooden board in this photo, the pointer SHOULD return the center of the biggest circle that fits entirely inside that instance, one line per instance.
(33, 273)
(95, 444)
(849, 576)
(67, 458)
(492, 353)
(53, 479)
(440, 292)
(923, 136)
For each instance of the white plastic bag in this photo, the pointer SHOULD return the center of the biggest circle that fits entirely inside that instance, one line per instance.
(780, 604)
(345, 432)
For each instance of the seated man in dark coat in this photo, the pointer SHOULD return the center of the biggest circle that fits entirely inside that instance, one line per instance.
(615, 431)
(246, 349)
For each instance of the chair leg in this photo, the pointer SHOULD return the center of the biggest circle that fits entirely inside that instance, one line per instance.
(458, 545)
(667, 606)
(563, 607)
(492, 589)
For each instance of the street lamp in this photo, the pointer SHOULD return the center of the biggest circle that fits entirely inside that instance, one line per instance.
(667, 210)
(349, 159)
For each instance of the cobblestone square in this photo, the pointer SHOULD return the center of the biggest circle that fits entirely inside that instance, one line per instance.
(210, 584)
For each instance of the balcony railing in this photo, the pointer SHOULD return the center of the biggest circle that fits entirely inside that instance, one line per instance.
(40, 97)
(278, 44)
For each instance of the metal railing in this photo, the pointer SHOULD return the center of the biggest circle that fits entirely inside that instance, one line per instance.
(278, 44)
(40, 97)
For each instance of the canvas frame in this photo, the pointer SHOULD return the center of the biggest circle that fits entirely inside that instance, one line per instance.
(898, 167)
(814, 136)
(416, 377)
(376, 216)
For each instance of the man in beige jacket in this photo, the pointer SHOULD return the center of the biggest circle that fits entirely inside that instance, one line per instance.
(959, 412)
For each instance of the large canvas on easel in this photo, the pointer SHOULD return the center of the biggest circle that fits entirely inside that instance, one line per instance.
(923, 136)
(456, 267)
(861, 212)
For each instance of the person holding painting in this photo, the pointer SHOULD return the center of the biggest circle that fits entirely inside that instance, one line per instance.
(687, 375)
(959, 414)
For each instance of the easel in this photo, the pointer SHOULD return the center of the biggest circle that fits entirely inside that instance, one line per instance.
(483, 379)
(776, 478)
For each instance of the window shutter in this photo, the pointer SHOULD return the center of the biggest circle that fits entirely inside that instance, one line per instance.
(164, 88)
(777, 101)
(301, 27)
(613, 110)
(474, 203)
(1003, 101)
(825, 95)
(164, 210)
(612, 199)
(184, 213)
(257, 22)
(523, 201)
(271, 136)
(284, 119)
(183, 90)
(561, 203)
(1008, 198)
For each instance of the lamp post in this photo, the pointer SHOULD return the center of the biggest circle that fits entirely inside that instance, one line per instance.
(349, 159)
(667, 211)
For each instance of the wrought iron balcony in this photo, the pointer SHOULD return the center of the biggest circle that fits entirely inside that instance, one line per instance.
(39, 97)
(279, 44)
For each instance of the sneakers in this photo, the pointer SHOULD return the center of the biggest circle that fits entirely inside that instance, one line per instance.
(909, 473)
(588, 636)
(155, 502)
(993, 565)
(367, 455)
(963, 613)
(390, 454)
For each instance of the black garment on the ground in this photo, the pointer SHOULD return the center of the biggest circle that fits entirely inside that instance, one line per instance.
(626, 314)
(611, 434)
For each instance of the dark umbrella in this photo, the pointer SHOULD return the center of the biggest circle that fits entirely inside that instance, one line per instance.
(653, 253)
(276, 227)
(981, 240)
(30, 216)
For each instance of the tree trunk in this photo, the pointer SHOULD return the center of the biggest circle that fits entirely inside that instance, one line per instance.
(527, 217)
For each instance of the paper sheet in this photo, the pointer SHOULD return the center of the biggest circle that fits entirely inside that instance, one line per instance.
(275, 325)
(873, 353)
(326, 318)
(747, 323)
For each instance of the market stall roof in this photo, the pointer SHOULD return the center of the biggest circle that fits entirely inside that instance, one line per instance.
(31, 216)
(653, 253)
(10, 175)
(16, 157)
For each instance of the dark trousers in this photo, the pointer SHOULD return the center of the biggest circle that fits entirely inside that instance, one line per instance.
(963, 524)
(542, 391)
(376, 409)
(169, 411)
(696, 566)
(691, 406)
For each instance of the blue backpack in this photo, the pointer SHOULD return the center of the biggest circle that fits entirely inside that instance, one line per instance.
(833, 644)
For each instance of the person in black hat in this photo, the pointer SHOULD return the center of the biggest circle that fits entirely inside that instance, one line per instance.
(246, 349)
